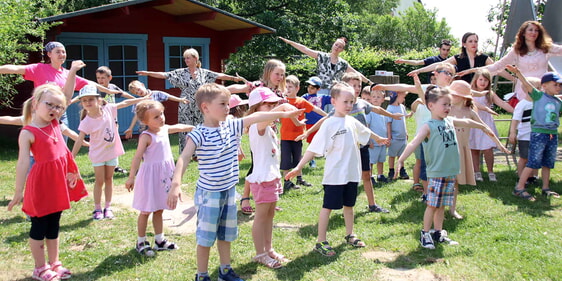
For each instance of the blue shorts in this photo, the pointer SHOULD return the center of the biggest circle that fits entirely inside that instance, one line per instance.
(523, 149)
(291, 153)
(542, 150)
(377, 154)
(441, 191)
(216, 216)
(396, 147)
(364, 153)
(113, 162)
(421, 156)
(337, 196)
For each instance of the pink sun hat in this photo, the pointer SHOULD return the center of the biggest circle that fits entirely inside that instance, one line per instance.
(262, 94)
(235, 101)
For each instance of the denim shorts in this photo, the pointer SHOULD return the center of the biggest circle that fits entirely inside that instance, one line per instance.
(113, 162)
(441, 191)
(542, 150)
(216, 216)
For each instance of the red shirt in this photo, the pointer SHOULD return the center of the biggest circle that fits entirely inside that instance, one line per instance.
(288, 129)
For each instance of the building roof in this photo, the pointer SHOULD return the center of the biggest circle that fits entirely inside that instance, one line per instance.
(182, 10)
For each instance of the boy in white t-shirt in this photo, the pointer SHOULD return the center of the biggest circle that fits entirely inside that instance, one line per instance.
(339, 139)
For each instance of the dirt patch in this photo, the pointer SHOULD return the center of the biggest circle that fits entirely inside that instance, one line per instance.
(182, 220)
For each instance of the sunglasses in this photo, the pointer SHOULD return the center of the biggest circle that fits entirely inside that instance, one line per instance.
(446, 72)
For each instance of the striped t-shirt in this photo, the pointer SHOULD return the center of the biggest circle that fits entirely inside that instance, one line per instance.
(217, 154)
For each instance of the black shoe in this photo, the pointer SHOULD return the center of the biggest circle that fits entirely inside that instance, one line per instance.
(424, 198)
(377, 209)
(531, 180)
(373, 181)
(403, 174)
(391, 174)
(442, 237)
(303, 182)
(289, 184)
(382, 179)
(120, 170)
(426, 240)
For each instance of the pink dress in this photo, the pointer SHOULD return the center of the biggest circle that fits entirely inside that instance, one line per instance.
(154, 178)
(478, 139)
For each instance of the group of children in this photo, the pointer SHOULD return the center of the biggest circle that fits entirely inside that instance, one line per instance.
(356, 134)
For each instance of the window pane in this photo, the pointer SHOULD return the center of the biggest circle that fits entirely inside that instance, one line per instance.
(131, 53)
(116, 68)
(73, 52)
(115, 52)
(199, 50)
(90, 52)
(175, 63)
(131, 67)
(174, 51)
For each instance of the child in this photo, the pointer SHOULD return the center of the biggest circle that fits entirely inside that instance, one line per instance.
(321, 101)
(461, 99)
(396, 132)
(273, 77)
(137, 87)
(155, 174)
(544, 131)
(103, 77)
(520, 129)
(482, 81)
(216, 141)
(53, 181)
(291, 150)
(98, 121)
(443, 162)
(265, 179)
(338, 140)
(377, 124)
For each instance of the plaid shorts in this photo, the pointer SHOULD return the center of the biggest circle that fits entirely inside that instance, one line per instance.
(441, 191)
(216, 216)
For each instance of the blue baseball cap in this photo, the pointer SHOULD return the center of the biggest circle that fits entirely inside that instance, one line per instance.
(314, 81)
(393, 96)
(551, 76)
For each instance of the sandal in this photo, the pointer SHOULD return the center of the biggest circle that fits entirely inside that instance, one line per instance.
(523, 194)
(277, 256)
(144, 249)
(547, 192)
(62, 272)
(246, 210)
(352, 240)
(44, 273)
(417, 187)
(266, 260)
(325, 249)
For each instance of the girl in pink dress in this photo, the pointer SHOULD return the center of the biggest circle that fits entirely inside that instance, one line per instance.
(154, 176)
(53, 181)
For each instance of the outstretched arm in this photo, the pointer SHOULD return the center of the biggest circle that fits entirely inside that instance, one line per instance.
(70, 83)
(363, 78)
(302, 48)
(432, 67)
(410, 62)
(527, 87)
(12, 69)
(159, 75)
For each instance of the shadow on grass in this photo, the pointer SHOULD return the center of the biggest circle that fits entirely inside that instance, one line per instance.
(113, 264)
(64, 228)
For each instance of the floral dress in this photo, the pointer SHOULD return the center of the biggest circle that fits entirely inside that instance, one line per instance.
(189, 113)
(329, 72)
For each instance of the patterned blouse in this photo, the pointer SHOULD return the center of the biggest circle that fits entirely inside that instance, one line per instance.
(181, 78)
(329, 72)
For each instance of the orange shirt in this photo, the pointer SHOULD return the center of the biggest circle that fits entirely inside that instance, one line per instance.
(288, 129)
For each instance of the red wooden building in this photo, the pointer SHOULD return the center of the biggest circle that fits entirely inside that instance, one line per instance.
(149, 35)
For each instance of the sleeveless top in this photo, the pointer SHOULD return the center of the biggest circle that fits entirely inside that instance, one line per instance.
(464, 64)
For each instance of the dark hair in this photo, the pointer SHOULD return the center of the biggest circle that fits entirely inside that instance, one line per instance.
(104, 70)
(464, 38)
(445, 42)
(543, 42)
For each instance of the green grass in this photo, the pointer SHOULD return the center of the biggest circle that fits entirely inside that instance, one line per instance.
(501, 238)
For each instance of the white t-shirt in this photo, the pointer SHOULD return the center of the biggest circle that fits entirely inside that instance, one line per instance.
(522, 113)
(338, 139)
(265, 154)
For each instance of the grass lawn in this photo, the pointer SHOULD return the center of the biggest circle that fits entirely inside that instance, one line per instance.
(501, 238)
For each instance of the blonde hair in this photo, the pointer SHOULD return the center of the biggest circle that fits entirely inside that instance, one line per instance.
(193, 53)
(339, 87)
(269, 67)
(208, 92)
(36, 97)
(348, 76)
(135, 84)
(366, 90)
(144, 106)
(445, 66)
(486, 74)
(294, 80)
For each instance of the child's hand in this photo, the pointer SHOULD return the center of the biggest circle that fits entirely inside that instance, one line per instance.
(77, 65)
(384, 141)
(413, 72)
(173, 195)
(240, 78)
(371, 145)
(397, 116)
(128, 133)
(293, 113)
(378, 87)
(130, 184)
(184, 101)
(505, 150)
(398, 167)
(512, 68)
(18, 197)
(72, 178)
(302, 137)
(291, 174)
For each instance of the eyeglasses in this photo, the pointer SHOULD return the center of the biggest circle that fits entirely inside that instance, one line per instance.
(446, 72)
(55, 107)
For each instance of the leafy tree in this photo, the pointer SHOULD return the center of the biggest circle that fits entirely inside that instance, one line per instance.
(19, 31)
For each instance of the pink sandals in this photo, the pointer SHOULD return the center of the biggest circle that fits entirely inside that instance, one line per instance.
(62, 272)
(44, 273)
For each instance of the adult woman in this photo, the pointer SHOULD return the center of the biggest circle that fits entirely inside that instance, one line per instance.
(468, 58)
(189, 79)
(330, 67)
(530, 53)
